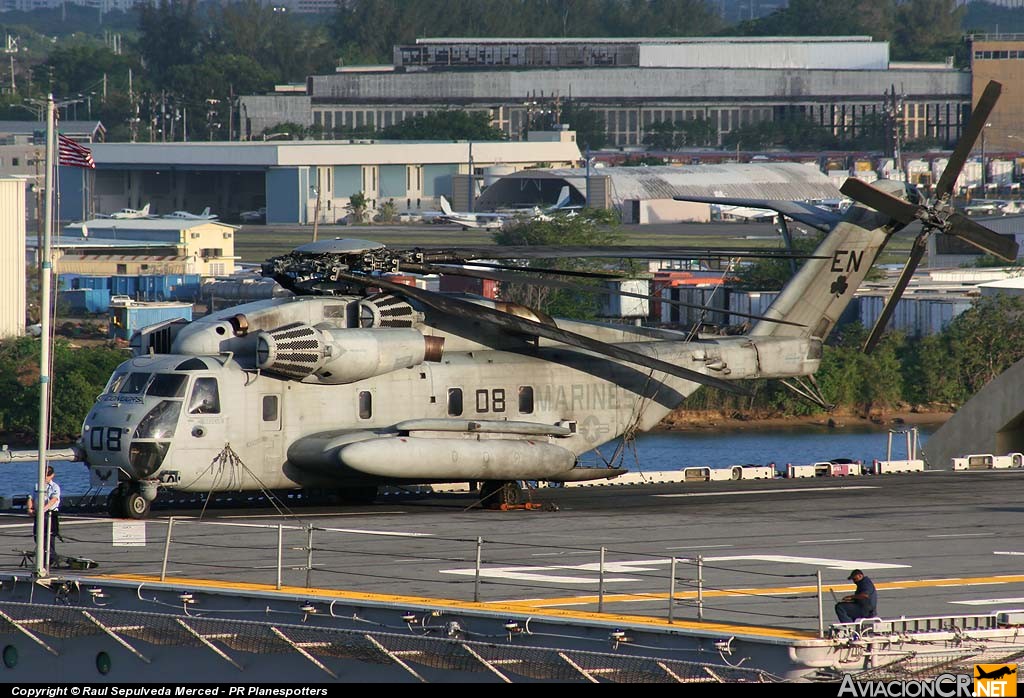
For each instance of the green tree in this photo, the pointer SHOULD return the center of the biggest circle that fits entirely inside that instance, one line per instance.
(772, 274)
(386, 212)
(660, 135)
(588, 125)
(590, 228)
(927, 30)
(449, 124)
(825, 18)
(170, 36)
(357, 206)
(699, 132)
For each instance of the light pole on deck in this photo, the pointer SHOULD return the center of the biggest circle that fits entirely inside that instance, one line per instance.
(42, 537)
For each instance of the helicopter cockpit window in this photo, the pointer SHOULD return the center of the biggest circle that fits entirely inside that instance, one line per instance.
(192, 364)
(115, 382)
(135, 383)
(205, 397)
(454, 402)
(160, 422)
(526, 399)
(167, 385)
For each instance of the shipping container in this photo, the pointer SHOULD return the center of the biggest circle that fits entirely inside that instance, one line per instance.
(82, 301)
(93, 282)
(125, 320)
(616, 306)
(67, 282)
(914, 317)
(124, 286)
(488, 288)
(166, 287)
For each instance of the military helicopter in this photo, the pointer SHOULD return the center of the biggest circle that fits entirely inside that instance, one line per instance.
(358, 381)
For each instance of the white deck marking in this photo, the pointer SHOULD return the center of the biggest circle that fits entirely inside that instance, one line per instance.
(304, 515)
(399, 534)
(990, 602)
(1005, 552)
(797, 489)
(960, 535)
(570, 574)
(832, 540)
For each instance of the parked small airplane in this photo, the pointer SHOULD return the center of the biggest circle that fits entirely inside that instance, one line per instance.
(496, 220)
(185, 215)
(130, 213)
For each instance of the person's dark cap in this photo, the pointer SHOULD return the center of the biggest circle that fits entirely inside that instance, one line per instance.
(854, 574)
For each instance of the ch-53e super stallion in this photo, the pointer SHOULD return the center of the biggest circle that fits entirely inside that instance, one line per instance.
(358, 381)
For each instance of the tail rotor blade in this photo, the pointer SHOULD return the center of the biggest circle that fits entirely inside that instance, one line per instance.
(985, 239)
(916, 255)
(979, 117)
(877, 199)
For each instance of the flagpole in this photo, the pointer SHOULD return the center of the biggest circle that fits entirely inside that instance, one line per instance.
(42, 539)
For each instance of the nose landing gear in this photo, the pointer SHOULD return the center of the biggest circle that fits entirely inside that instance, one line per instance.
(128, 502)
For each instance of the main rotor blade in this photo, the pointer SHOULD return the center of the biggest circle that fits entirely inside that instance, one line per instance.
(464, 254)
(964, 146)
(892, 206)
(471, 311)
(916, 254)
(553, 272)
(985, 239)
(497, 275)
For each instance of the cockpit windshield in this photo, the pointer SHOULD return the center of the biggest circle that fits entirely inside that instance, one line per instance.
(160, 422)
(115, 382)
(167, 385)
(134, 384)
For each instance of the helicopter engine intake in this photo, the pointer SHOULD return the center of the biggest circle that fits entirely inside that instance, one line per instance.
(338, 356)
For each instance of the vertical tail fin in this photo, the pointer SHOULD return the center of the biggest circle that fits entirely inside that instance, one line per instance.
(823, 288)
(206, 212)
(563, 199)
(446, 208)
(145, 210)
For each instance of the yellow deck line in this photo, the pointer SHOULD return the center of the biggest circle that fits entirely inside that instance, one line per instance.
(507, 606)
(766, 591)
(549, 606)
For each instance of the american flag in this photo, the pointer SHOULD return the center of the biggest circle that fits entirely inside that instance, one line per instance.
(73, 154)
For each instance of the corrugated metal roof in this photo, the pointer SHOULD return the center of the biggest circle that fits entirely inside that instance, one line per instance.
(29, 127)
(779, 181)
(645, 40)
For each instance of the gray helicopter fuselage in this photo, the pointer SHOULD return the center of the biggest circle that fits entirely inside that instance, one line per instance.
(485, 407)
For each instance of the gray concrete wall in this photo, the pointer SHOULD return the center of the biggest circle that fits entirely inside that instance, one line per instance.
(990, 422)
(676, 84)
(261, 112)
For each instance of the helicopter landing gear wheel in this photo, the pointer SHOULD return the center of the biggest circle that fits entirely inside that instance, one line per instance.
(496, 494)
(131, 504)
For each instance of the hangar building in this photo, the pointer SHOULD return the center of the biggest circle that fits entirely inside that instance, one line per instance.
(632, 83)
(289, 177)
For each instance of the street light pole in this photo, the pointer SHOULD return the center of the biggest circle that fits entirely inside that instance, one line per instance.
(983, 157)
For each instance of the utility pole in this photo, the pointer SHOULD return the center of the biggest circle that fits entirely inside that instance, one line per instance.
(10, 50)
(316, 209)
(42, 537)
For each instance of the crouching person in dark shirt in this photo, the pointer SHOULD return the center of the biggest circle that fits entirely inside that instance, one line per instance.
(862, 603)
